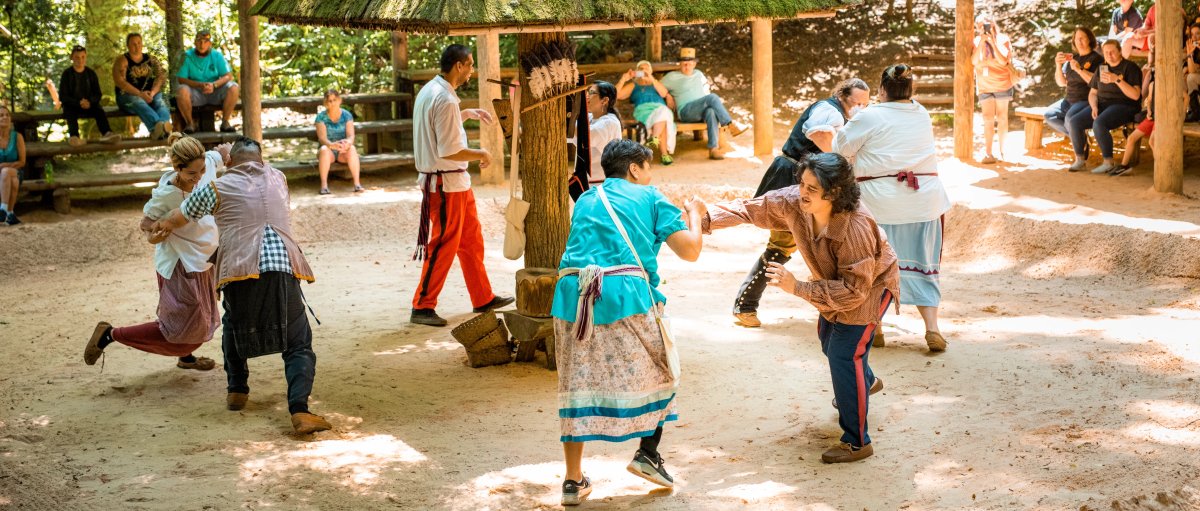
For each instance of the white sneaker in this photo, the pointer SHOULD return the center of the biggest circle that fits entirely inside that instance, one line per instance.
(1104, 168)
(1078, 166)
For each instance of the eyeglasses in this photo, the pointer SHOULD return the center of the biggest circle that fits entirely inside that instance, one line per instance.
(593, 92)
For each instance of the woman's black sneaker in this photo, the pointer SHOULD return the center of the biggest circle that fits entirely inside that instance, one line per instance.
(12, 219)
(650, 469)
(576, 492)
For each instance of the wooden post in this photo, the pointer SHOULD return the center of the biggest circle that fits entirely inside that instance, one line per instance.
(764, 109)
(174, 14)
(1168, 107)
(401, 83)
(544, 168)
(491, 138)
(964, 80)
(250, 83)
(654, 43)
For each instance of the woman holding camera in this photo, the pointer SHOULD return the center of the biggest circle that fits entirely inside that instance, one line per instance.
(653, 106)
(993, 81)
(1074, 71)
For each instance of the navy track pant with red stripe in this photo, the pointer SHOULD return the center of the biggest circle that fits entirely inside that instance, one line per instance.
(847, 347)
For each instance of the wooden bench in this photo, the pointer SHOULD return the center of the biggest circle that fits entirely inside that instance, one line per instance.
(634, 130)
(36, 149)
(1035, 121)
(58, 191)
(1191, 130)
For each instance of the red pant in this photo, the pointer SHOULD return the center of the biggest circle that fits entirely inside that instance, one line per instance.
(455, 231)
(149, 338)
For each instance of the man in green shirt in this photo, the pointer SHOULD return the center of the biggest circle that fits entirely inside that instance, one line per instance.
(205, 79)
(695, 103)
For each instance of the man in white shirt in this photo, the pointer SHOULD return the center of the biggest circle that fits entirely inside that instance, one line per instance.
(447, 202)
(694, 102)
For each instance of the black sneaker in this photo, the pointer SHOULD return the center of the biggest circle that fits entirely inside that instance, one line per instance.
(189, 129)
(12, 219)
(652, 470)
(575, 493)
(497, 302)
(227, 128)
(427, 317)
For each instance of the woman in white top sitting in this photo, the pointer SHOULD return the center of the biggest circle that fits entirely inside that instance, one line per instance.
(895, 162)
(653, 106)
(187, 294)
(604, 125)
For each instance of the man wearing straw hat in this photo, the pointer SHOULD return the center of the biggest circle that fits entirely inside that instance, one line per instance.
(447, 201)
(694, 102)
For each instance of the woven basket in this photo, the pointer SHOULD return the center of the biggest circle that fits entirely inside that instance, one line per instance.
(485, 339)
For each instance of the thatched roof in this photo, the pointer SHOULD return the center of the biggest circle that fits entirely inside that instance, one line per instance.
(443, 16)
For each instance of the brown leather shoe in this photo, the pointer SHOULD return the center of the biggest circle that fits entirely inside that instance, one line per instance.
(737, 128)
(877, 341)
(935, 341)
(305, 423)
(92, 351)
(843, 453)
(748, 319)
(236, 400)
(201, 364)
(716, 154)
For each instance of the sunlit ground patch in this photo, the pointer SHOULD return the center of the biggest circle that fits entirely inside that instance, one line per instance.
(356, 462)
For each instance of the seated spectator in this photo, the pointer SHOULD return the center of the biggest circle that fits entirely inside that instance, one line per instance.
(694, 102)
(1193, 73)
(205, 79)
(1114, 100)
(653, 106)
(1074, 71)
(604, 125)
(335, 134)
(1126, 21)
(1145, 126)
(139, 80)
(79, 92)
(12, 160)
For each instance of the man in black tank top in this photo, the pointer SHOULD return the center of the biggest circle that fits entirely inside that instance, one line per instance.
(139, 79)
(813, 133)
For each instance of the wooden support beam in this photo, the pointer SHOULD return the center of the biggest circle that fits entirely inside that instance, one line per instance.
(1169, 110)
(251, 81)
(618, 25)
(400, 62)
(174, 12)
(764, 108)
(491, 137)
(964, 79)
(654, 43)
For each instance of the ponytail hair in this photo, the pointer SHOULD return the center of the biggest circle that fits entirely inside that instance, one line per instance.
(184, 149)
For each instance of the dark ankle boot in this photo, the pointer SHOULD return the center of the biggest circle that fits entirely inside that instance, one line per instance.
(756, 281)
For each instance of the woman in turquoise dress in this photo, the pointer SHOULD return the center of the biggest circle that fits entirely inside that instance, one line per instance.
(617, 373)
(652, 106)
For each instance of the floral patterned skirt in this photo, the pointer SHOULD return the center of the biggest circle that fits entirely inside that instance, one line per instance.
(615, 385)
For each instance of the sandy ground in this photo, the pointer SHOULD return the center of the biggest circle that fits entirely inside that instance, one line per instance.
(1070, 303)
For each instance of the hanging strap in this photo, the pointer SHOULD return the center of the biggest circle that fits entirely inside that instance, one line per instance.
(591, 285)
(514, 94)
(621, 228)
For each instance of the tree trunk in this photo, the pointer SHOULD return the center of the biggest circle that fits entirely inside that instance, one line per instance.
(174, 41)
(544, 168)
(250, 83)
(908, 11)
(103, 20)
(1168, 107)
(964, 79)
(891, 8)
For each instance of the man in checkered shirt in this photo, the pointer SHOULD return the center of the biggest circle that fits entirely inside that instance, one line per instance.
(259, 269)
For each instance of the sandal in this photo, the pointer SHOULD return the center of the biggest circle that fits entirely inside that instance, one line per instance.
(359, 189)
(201, 364)
(324, 191)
